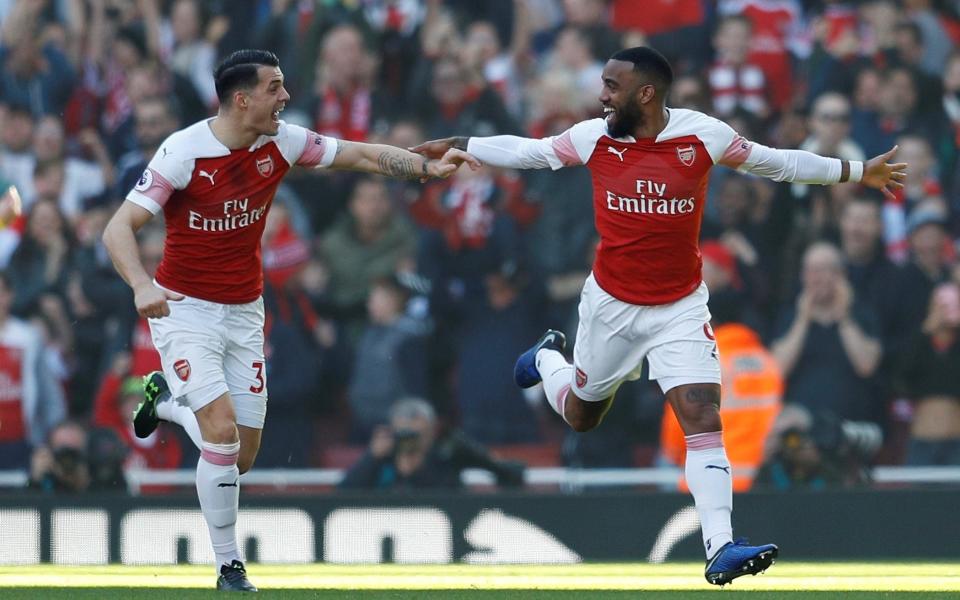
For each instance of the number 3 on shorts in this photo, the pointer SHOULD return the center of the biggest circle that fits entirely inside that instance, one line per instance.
(258, 387)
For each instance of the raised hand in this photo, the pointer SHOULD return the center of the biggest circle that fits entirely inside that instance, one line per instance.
(881, 175)
(437, 148)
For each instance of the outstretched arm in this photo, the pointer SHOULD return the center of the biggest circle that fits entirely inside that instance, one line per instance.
(397, 162)
(806, 167)
(508, 151)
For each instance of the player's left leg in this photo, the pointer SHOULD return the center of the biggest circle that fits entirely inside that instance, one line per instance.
(708, 475)
(684, 360)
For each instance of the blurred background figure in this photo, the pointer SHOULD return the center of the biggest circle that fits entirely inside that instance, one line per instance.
(406, 454)
(927, 375)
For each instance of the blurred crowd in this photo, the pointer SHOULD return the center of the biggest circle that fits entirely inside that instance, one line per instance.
(843, 304)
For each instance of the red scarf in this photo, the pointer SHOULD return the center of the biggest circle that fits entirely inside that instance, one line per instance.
(345, 118)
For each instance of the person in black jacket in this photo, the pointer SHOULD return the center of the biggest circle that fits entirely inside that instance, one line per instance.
(408, 455)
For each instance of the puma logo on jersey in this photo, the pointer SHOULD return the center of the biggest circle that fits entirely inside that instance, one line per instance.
(209, 175)
(234, 484)
(619, 153)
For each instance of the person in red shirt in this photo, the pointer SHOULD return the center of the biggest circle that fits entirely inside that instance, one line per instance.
(645, 298)
(214, 182)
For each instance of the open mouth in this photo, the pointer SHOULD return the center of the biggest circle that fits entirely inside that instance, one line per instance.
(276, 114)
(608, 111)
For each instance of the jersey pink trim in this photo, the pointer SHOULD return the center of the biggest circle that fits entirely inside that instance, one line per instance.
(313, 150)
(563, 147)
(736, 153)
(159, 189)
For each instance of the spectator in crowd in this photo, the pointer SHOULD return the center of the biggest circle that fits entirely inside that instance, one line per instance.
(60, 465)
(501, 68)
(896, 114)
(372, 240)
(874, 279)
(816, 453)
(32, 74)
(457, 102)
(391, 346)
(16, 154)
(40, 266)
(923, 185)
(494, 328)
(81, 179)
(734, 81)
(910, 53)
(928, 262)
(827, 344)
(572, 53)
(155, 118)
(927, 375)
(830, 128)
(343, 104)
(298, 341)
(407, 455)
(193, 52)
(31, 402)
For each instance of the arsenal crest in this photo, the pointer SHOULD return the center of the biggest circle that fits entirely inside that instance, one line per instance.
(182, 368)
(265, 166)
(687, 154)
(581, 377)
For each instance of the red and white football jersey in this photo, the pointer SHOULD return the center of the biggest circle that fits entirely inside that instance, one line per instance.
(215, 202)
(648, 197)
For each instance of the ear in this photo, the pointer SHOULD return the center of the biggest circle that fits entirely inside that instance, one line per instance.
(240, 99)
(647, 93)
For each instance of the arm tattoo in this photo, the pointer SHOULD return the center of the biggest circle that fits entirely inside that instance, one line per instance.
(398, 166)
(340, 146)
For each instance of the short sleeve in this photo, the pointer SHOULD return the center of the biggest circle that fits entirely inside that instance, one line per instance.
(166, 172)
(306, 148)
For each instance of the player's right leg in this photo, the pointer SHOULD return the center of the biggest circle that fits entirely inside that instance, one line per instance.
(191, 342)
(218, 488)
(606, 354)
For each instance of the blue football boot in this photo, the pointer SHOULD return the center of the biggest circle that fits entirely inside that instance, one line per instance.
(525, 372)
(738, 558)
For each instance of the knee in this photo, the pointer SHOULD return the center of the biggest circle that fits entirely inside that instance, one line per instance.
(701, 419)
(583, 423)
(222, 433)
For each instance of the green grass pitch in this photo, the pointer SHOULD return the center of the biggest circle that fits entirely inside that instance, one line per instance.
(673, 581)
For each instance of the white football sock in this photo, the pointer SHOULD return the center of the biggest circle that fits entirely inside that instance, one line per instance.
(171, 410)
(557, 375)
(218, 487)
(710, 481)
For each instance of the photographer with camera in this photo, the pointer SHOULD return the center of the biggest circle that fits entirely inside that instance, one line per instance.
(407, 455)
(61, 464)
(817, 451)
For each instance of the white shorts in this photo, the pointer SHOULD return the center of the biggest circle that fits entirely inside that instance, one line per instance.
(614, 337)
(209, 349)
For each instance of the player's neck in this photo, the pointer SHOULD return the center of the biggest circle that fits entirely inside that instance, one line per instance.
(230, 132)
(653, 124)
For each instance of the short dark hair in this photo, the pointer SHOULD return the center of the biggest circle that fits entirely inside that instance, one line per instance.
(239, 71)
(651, 63)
